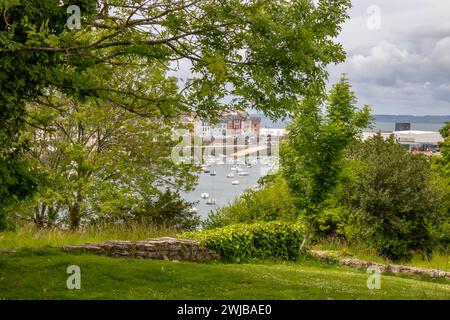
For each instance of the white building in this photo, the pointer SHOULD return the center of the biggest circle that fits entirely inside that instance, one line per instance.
(413, 140)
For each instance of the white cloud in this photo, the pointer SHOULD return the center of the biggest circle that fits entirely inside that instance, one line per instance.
(403, 68)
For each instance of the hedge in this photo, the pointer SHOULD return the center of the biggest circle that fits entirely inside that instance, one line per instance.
(239, 242)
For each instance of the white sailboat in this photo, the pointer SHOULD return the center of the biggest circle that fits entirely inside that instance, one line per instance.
(205, 195)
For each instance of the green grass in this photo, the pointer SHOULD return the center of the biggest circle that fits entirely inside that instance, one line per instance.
(28, 237)
(31, 274)
(440, 259)
(39, 272)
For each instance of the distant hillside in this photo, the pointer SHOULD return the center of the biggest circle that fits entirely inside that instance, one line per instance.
(412, 119)
(266, 122)
(418, 122)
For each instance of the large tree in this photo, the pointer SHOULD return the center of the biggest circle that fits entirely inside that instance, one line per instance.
(264, 53)
(100, 159)
(312, 158)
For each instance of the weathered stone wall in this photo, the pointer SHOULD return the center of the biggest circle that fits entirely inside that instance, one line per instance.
(159, 248)
(394, 268)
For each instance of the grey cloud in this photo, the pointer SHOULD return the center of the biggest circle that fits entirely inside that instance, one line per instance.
(403, 68)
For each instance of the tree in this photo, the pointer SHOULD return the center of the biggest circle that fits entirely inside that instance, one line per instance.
(265, 54)
(441, 169)
(443, 162)
(391, 199)
(272, 202)
(169, 210)
(312, 158)
(100, 160)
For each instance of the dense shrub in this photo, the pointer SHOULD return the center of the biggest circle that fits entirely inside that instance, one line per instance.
(276, 239)
(271, 203)
(164, 210)
(2, 220)
(391, 199)
(168, 210)
(441, 170)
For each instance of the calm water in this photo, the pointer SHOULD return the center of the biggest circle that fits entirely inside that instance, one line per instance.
(220, 188)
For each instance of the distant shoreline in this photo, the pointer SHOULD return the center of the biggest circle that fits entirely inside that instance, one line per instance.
(382, 122)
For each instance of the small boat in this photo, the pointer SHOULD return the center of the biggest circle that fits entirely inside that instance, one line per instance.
(206, 170)
(205, 195)
(230, 175)
(234, 182)
(220, 163)
(211, 201)
(213, 173)
(193, 209)
(234, 169)
(243, 173)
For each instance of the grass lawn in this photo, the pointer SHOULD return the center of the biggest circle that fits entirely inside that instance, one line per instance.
(29, 237)
(42, 274)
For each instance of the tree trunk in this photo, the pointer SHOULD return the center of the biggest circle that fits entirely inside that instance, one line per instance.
(39, 218)
(75, 212)
(305, 240)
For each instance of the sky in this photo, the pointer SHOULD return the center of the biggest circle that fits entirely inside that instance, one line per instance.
(398, 55)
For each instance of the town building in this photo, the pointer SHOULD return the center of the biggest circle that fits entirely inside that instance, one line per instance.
(413, 140)
(231, 124)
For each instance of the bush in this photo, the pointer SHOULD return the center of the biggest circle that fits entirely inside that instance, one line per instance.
(2, 220)
(391, 198)
(240, 242)
(271, 203)
(168, 210)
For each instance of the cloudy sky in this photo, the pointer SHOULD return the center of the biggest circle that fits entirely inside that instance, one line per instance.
(398, 55)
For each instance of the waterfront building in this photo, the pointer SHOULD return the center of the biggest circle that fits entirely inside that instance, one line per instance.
(413, 140)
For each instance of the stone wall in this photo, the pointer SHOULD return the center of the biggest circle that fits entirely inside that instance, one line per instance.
(394, 268)
(159, 248)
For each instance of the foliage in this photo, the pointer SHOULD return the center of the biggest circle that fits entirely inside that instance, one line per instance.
(392, 201)
(312, 159)
(272, 202)
(24, 75)
(240, 242)
(264, 53)
(441, 170)
(14, 175)
(99, 160)
(168, 210)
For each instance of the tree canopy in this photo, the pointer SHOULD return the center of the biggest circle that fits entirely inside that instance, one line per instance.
(312, 158)
(265, 54)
